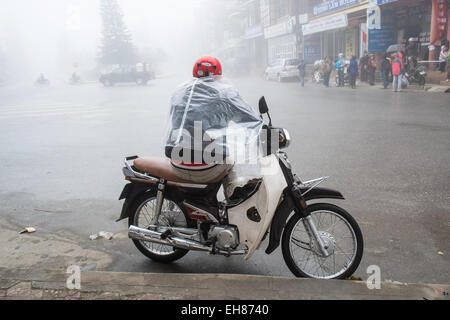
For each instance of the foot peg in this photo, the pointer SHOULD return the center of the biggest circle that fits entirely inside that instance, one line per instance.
(165, 234)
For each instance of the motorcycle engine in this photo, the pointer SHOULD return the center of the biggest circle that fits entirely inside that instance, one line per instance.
(226, 237)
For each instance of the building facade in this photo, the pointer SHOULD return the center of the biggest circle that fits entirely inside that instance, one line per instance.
(258, 32)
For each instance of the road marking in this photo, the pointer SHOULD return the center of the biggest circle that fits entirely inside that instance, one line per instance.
(47, 111)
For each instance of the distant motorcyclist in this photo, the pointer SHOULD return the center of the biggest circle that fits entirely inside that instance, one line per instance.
(74, 78)
(41, 80)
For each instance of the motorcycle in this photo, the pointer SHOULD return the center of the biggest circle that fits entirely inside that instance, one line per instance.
(417, 75)
(166, 218)
(317, 76)
(42, 82)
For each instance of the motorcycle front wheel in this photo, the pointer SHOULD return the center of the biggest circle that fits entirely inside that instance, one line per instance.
(340, 234)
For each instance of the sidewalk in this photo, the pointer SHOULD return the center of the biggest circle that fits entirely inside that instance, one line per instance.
(50, 285)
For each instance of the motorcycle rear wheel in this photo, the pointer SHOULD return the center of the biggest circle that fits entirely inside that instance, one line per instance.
(297, 237)
(142, 214)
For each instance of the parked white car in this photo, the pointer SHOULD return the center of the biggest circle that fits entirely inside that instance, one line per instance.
(282, 69)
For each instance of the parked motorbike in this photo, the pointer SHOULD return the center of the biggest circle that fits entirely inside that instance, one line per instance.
(167, 219)
(417, 75)
(317, 76)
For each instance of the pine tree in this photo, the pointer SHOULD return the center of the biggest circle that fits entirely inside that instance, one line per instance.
(117, 46)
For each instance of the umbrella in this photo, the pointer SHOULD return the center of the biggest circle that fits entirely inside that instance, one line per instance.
(395, 48)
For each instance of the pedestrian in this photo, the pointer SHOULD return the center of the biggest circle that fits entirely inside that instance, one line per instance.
(443, 59)
(401, 77)
(386, 70)
(372, 69)
(301, 72)
(340, 65)
(397, 67)
(364, 64)
(448, 66)
(326, 70)
(353, 70)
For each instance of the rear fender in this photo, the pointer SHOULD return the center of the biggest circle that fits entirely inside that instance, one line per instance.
(287, 206)
(130, 192)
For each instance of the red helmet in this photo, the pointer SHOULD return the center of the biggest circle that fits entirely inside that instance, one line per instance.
(207, 66)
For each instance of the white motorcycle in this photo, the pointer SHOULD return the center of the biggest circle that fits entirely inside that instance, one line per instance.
(168, 218)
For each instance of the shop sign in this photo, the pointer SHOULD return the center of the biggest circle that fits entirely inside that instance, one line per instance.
(440, 16)
(381, 39)
(350, 42)
(374, 18)
(303, 18)
(312, 50)
(280, 29)
(381, 2)
(254, 31)
(339, 21)
(333, 5)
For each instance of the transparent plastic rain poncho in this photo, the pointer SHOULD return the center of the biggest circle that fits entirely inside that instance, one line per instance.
(209, 118)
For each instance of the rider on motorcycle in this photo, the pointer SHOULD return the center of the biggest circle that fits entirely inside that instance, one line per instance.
(207, 117)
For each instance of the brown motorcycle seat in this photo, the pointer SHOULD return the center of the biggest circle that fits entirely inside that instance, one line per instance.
(163, 169)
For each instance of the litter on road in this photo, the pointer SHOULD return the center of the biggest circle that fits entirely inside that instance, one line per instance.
(28, 230)
(102, 235)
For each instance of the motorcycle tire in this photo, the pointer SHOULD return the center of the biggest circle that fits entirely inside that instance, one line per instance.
(349, 222)
(422, 81)
(166, 258)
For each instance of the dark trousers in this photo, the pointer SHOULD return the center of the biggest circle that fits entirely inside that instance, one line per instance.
(353, 80)
(326, 79)
(364, 73)
(341, 77)
(372, 76)
(386, 79)
(302, 80)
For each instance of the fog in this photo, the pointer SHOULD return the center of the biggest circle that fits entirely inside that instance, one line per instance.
(58, 37)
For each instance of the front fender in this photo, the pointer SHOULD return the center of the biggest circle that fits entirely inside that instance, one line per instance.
(287, 206)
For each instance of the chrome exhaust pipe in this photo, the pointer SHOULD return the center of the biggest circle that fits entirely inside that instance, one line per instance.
(155, 237)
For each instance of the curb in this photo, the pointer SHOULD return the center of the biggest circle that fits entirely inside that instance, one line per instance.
(51, 284)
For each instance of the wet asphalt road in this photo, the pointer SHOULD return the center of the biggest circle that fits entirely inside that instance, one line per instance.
(62, 149)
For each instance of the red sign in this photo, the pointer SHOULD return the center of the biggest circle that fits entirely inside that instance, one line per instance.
(440, 16)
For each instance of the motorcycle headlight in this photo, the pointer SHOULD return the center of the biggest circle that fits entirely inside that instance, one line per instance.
(284, 138)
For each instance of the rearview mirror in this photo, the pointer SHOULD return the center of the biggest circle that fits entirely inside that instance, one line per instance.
(263, 108)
